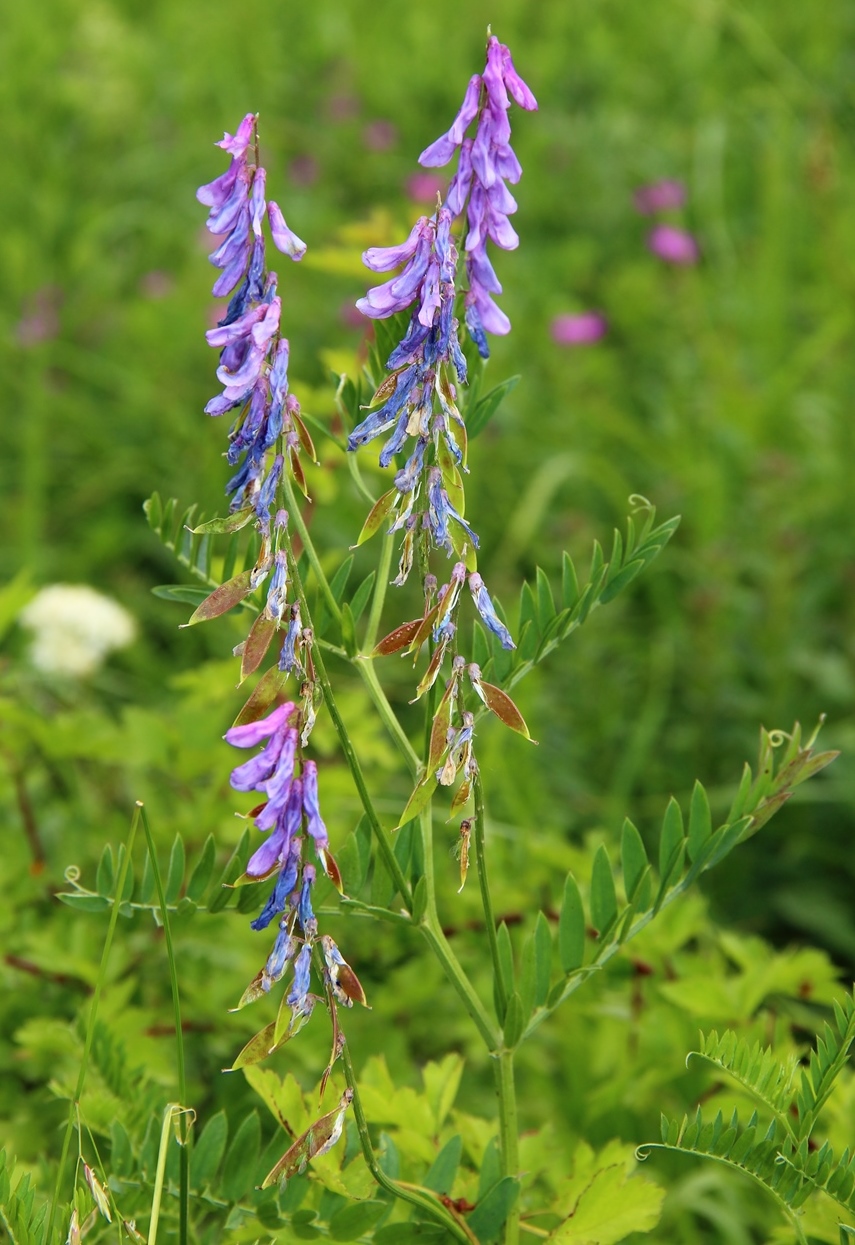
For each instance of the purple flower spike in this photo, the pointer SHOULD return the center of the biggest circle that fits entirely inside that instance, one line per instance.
(283, 237)
(579, 330)
(487, 610)
(675, 246)
(659, 197)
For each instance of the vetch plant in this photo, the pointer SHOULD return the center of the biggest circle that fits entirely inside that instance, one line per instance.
(422, 398)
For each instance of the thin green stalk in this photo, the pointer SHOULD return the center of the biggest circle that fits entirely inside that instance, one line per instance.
(422, 1198)
(382, 835)
(390, 719)
(453, 970)
(90, 1029)
(486, 898)
(184, 1155)
(509, 1136)
(363, 666)
(380, 585)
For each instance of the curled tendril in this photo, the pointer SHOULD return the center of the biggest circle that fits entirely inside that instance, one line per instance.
(72, 873)
(777, 737)
(639, 502)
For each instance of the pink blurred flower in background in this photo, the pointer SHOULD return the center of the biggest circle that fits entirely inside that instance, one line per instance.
(380, 135)
(675, 246)
(40, 319)
(303, 170)
(424, 187)
(659, 196)
(582, 329)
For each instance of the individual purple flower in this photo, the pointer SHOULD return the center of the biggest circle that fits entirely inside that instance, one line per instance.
(440, 511)
(283, 888)
(659, 196)
(296, 999)
(283, 951)
(582, 329)
(673, 245)
(308, 920)
(314, 821)
(288, 659)
(487, 610)
(283, 237)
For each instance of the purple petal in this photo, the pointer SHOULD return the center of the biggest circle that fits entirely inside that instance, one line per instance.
(239, 329)
(229, 278)
(258, 204)
(517, 88)
(237, 144)
(314, 821)
(214, 194)
(265, 857)
(223, 218)
(250, 734)
(385, 258)
(438, 153)
(283, 238)
(458, 191)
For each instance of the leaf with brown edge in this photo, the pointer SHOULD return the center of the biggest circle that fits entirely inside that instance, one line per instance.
(268, 690)
(422, 793)
(305, 437)
(439, 729)
(252, 993)
(376, 516)
(331, 869)
(461, 795)
(397, 639)
(222, 599)
(256, 645)
(318, 1139)
(297, 472)
(220, 527)
(500, 703)
(258, 1048)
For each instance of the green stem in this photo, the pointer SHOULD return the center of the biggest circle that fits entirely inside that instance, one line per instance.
(90, 1029)
(380, 585)
(453, 970)
(382, 835)
(363, 665)
(422, 1198)
(509, 1136)
(390, 719)
(486, 898)
(183, 1155)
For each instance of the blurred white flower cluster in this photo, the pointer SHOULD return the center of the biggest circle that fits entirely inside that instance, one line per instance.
(74, 628)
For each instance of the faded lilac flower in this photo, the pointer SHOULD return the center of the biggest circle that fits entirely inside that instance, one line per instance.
(673, 245)
(424, 187)
(659, 196)
(380, 135)
(487, 610)
(579, 330)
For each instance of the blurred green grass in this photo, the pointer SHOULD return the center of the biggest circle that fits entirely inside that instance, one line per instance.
(721, 392)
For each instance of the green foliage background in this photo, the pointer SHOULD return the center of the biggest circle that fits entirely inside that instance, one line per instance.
(721, 393)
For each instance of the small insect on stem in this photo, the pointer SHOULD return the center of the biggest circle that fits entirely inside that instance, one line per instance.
(461, 851)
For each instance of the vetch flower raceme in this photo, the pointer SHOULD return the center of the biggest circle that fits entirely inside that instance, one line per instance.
(253, 367)
(486, 163)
